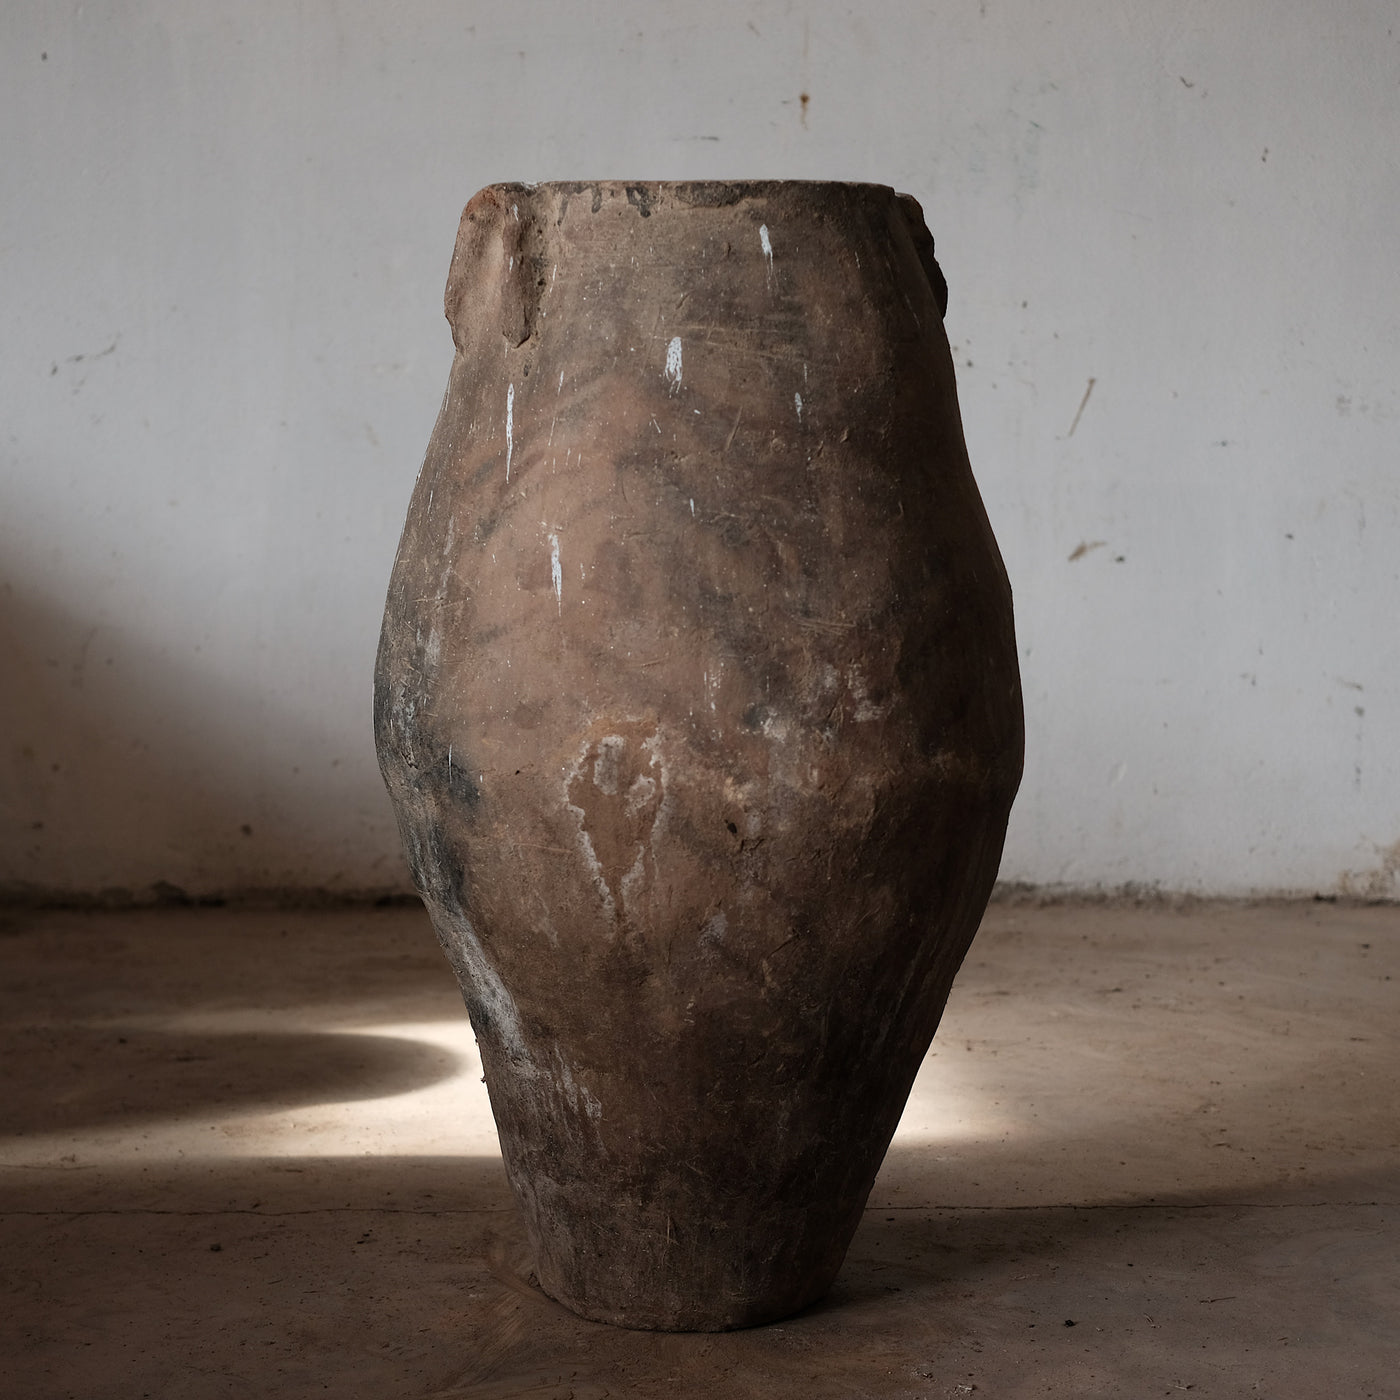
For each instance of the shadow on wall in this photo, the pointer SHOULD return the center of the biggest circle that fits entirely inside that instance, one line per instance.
(130, 774)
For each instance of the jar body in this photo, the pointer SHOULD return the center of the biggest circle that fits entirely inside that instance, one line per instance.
(697, 699)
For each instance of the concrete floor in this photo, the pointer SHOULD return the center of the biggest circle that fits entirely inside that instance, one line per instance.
(248, 1154)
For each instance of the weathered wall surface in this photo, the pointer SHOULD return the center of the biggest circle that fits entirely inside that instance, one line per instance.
(1171, 235)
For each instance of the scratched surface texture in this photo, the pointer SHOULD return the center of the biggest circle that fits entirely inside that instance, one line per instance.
(697, 698)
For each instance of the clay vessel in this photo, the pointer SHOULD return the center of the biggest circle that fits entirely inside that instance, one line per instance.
(697, 699)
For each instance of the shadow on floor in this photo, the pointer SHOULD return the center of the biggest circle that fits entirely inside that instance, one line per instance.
(1212, 1265)
(71, 965)
(129, 1076)
(410, 1277)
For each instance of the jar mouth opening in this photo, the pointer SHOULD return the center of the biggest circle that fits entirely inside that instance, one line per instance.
(697, 190)
(744, 181)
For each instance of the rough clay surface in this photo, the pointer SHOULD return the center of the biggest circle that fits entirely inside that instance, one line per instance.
(697, 697)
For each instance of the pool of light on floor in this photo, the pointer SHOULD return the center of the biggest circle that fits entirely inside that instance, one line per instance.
(448, 1116)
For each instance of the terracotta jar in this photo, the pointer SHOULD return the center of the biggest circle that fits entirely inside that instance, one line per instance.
(697, 699)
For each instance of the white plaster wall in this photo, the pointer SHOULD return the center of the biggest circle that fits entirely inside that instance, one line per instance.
(224, 231)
